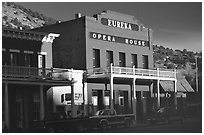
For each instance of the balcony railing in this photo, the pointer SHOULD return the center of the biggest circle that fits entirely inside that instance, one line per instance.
(167, 73)
(36, 73)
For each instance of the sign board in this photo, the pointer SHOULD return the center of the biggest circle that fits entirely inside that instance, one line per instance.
(111, 38)
(119, 24)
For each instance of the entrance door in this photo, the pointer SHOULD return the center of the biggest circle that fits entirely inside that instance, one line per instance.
(97, 100)
(139, 106)
(126, 103)
(100, 99)
(123, 102)
(19, 110)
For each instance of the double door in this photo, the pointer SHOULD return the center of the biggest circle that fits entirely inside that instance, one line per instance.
(24, 107)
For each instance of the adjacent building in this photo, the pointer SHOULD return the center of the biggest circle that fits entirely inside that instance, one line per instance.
(27, 75)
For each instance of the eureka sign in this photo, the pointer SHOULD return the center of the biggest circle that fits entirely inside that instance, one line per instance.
(117, 39)
(119, 24)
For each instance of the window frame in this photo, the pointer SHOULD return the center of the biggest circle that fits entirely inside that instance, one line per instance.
(134, 60)
(96, 58)
(109, 57)
(122, 59)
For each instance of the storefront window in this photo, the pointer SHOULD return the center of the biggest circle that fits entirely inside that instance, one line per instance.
(107, 96)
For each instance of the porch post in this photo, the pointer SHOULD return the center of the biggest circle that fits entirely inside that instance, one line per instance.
(104, 100)
(175, 93)
(73, 114)
(41, 103)
(151, 90)
(111, 87)
(7, 121)
(111, 92)
(158, 94)
(134, 102)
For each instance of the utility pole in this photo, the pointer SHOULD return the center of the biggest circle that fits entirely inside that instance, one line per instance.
(196, 60)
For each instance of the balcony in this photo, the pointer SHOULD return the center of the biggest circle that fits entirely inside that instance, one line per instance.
(158, 73)
(20, 72)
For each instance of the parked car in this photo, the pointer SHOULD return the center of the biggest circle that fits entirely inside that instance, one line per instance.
(166, 115)
(109, 118)
(62, 122)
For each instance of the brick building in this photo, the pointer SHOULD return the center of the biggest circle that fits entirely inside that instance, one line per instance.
(116, 51)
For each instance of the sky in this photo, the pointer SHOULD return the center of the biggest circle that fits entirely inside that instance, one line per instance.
(176, 25)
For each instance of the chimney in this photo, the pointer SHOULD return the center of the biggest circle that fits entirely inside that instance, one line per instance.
(78, 15)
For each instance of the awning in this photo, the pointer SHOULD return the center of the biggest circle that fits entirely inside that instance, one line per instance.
(182, 86)
(168, 86)
(186, 85)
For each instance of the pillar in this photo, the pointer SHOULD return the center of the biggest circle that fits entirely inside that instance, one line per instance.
(158, 94)
(73, 110)
(151, 90)
(7, 120)
(134, 101)
(111, 93)
(175, 93)
(42, 112)
(150, 98)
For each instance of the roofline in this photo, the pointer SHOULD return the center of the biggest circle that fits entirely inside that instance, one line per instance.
(24, 31)
(29, 34)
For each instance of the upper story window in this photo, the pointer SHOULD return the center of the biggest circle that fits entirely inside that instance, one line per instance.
(145, 62)
(4, 56)
(14, 58)
(41, 60)
(122, 62)
(109, 58)
(28, 60)
(134, 60)
(96, 58)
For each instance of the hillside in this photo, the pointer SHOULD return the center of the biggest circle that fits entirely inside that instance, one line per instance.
(179, 59)
(16, 16)
(182, 60)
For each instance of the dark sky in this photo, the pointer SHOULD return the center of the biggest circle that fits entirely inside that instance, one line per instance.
(176, 25)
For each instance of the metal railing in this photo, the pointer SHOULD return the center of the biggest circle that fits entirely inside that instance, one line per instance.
(36, 73)
(168, 73)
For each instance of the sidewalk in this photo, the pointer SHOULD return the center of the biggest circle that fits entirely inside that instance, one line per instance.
(139, 124)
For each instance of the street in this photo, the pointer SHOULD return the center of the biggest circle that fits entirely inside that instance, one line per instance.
(191, 125)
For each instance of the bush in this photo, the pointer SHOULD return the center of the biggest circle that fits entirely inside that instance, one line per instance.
(5, 18)
(16, 22)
